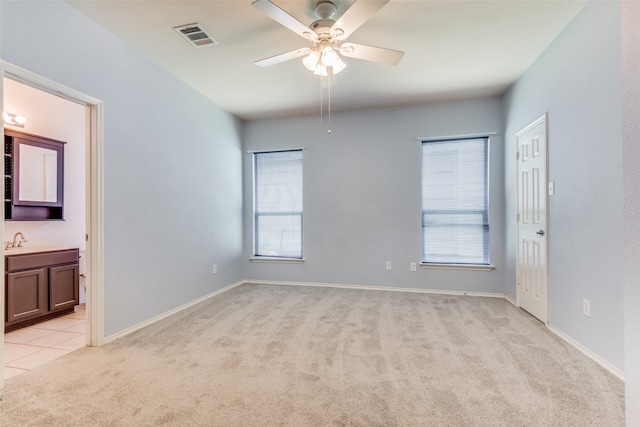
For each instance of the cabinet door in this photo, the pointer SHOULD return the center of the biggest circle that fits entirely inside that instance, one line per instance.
(63, 287)
(26, 295)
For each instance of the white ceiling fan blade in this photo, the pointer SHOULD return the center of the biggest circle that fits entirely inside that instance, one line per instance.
(267, 62)
(356, 15)
(282, 17)
(371, 53)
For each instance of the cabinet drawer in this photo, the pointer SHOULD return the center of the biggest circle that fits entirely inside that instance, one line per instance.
(37, 260)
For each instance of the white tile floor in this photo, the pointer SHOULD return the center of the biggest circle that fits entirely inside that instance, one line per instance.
(36, 345)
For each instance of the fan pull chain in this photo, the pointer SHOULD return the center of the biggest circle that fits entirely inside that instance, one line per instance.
(321, 118)
(329, 99)
(328, 81)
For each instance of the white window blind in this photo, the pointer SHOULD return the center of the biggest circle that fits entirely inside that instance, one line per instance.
(278, 204)
(455, 211)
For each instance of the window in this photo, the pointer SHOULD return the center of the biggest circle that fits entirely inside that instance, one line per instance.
(278, 204)
(455, 193)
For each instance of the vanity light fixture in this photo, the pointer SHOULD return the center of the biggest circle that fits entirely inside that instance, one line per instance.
(14, 119)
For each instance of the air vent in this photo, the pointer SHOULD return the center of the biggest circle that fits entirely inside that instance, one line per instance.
(196, 35)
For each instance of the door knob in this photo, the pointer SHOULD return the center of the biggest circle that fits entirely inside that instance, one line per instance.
(540, 233)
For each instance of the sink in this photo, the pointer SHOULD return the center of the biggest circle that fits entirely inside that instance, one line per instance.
(20, 249)
(34, 249)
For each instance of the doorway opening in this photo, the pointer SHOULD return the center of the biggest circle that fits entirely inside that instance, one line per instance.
(59, 112)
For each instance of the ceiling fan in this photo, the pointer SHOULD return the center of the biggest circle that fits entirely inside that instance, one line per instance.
(327, 36)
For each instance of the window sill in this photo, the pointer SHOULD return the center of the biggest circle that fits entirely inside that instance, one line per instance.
(473, 267)
(277, 260)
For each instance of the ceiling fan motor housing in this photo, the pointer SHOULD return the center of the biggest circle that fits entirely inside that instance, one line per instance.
(325, 10)
(322, 28)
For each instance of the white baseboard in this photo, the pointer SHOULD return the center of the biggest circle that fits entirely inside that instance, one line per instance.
(377, 288)
(591, 355)
(148, 322)
(508, 298)
(166, 314)
(582, 349)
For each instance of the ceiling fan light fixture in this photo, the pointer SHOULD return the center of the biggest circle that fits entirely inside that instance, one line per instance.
(321, 70)
(338, 65)
(319, 61)
(329, 56)
(311, 60)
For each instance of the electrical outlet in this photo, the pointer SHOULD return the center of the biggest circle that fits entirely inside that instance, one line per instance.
(388, 266)
(586, 307)
(413, 266)
(215, 269)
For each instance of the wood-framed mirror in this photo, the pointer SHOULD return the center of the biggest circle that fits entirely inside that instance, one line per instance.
(34, 177)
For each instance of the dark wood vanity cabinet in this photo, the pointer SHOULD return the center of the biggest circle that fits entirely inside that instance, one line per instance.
(40, 286)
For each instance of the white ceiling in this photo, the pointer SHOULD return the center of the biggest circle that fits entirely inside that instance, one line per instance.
(453, 49)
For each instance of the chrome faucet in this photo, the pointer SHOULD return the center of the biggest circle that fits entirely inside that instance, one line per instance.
(20, 242)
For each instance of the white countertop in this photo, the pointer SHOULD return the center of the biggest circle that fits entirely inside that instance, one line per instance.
(35, 249)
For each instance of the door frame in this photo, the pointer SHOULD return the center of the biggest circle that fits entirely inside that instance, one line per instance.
(536, 122)
(94, 210)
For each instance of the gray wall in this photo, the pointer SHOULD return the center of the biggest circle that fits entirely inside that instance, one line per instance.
(362, 194)
(172, 162)
(631, 173)
(174, 193)
(577, 82)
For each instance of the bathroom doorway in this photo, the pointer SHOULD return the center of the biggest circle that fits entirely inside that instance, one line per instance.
(55, 111)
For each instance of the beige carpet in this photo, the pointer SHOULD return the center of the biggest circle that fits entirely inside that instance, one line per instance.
(262, 355)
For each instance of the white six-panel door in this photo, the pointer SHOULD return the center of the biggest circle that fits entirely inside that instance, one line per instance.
(531, 269)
